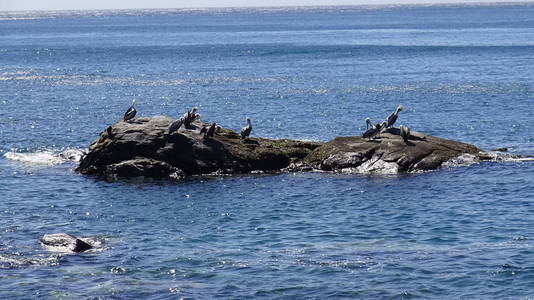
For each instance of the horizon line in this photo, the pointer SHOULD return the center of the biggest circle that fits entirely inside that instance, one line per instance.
(206, 8)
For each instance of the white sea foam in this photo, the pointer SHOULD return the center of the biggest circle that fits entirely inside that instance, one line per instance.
(469, 159)
(46, 157)
(463, 160)
(17, 261)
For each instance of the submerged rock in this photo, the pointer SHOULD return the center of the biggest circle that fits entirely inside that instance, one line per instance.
(63, 242)
(143, 147)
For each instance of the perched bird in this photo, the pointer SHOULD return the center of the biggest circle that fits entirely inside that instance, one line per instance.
(380, 127)
(109, 131)
(130, 113)
(204, 130)
(192, 113)
(393, 117)
(368, 123)
(189, 117)
(176, 125)
(404, 133)
(245, 131)
(373, 131)
(211, 130)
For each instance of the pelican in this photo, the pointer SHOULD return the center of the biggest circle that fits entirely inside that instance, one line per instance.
(130, 113)
(368, 123)
(189, 116)
(404, 132)
(393, 117)
(176, 125)
(373, 131)
(245, 131)
(211, 130)
(380, 127)
(192, 113)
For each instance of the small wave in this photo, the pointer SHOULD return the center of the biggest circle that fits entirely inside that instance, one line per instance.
(506, 157)
(17, 261)
(45, 158)
(469, 159)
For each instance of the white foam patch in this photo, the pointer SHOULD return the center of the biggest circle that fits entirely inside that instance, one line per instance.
(507, 157)
(463, 160)
(45, 158)
(17, 261)
(469, 159)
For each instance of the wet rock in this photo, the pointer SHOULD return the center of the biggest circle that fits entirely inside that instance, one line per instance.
(143, 147)
(63, 242)
(389, 154)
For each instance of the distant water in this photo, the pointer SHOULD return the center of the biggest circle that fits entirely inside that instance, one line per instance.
(462, 72)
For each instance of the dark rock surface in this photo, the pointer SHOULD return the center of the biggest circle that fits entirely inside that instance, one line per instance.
(63, 242)
(389, 154)
(144, 148)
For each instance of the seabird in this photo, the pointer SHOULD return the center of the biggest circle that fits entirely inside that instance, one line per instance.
(189, 116)
(368, 123)
(176, 125)
(130, 113)
(245, 131)
(393, 117)
(192, 113)
(404, 133)
(380, 127)
(373, 131)
(211, 130)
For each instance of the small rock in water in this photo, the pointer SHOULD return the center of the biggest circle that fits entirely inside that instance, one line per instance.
(63, 242)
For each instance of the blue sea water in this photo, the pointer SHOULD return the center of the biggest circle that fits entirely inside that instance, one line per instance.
(462, 72)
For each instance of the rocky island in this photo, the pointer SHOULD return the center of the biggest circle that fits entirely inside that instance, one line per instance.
(144, 147)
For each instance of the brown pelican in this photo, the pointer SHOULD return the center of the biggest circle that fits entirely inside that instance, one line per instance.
(380, 128)
(130, 113)
(368, 123)
(211, 130)
(192, 113)
(404, 133)
(393, 117)
(176, 125)
(245, 131)
(373, 131)
(190, 116)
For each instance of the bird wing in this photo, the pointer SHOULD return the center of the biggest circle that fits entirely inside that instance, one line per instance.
(130, 113)
(369, 132)
(391, 120)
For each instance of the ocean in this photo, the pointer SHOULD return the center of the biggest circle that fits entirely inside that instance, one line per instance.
(462, 72)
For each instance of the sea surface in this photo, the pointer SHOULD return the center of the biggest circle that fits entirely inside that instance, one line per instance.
(462, 72)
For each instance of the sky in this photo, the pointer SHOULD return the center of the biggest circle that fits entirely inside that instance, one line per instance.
(6, 5)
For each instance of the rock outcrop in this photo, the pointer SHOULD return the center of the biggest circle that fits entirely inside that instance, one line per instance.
(143, 147)
(63, 242)
(389, 154)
